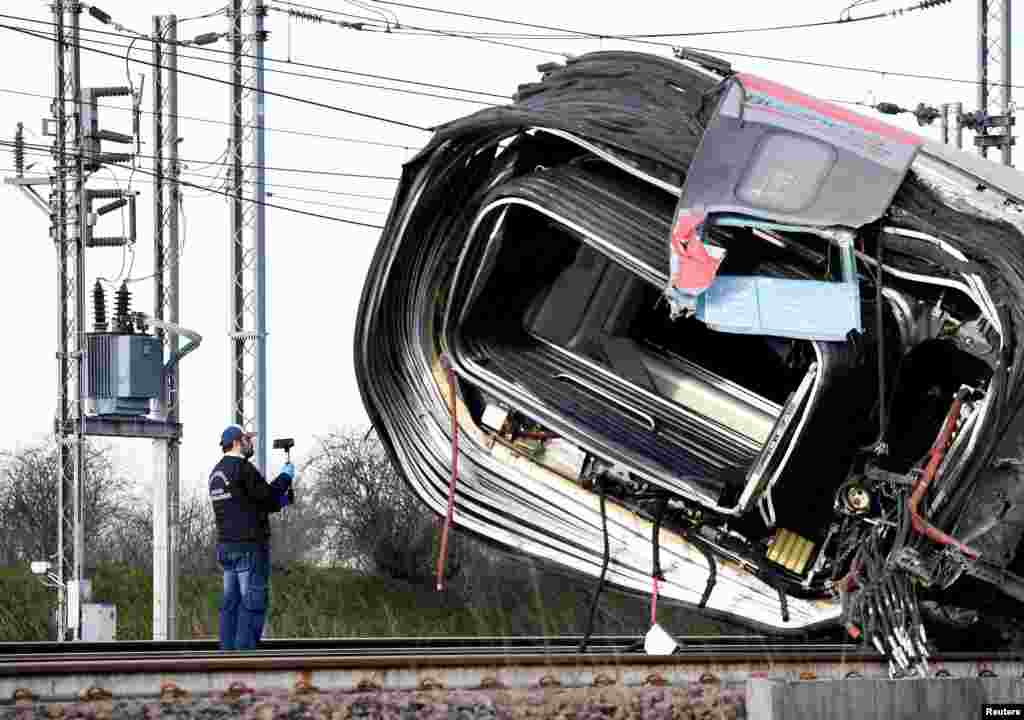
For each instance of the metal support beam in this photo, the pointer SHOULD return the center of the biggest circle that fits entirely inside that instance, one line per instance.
(172, 308)
(958, 112)
(994, 78)
(259, 160)
(237, 279)
(953, 124)
(1006, 80)
(78, 367)
(133, 427)
(59, 234)
(247, 321)
(76, 153)
(67, 230)
(166, 200)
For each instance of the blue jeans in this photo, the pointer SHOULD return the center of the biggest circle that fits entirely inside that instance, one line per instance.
(246, 578)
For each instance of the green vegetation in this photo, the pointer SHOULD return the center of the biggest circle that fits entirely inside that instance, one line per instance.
(354, 556)
(309, 601)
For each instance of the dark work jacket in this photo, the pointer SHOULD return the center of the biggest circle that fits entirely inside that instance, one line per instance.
(242, 500)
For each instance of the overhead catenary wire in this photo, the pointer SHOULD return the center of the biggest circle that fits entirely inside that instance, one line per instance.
(372, 211)
(366, 24)
(273, 168)
(210, 78)
(339, 81)
(700, 33)
(810, 63)
(195, 118)
(435, 32)
(716, 51)
(186, 183)
(307, 188)
(312, 66)
(638, 37)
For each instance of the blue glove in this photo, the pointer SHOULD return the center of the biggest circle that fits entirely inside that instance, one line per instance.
(285, 499)
(288, 470)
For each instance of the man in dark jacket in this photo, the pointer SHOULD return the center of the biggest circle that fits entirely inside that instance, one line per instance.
(242, 502)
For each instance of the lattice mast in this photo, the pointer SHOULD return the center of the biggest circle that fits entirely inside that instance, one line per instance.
(247, 313)
(166, 248)
(995, 106)
(68, 234)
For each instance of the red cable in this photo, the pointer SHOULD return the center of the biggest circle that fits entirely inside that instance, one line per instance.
(654, 601)
(455, 474)
(938, 451)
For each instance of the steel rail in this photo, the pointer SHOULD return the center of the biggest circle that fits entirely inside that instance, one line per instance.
(400, 647)
(779, 656)
(384, 645)
(390, 645)
(117, 663)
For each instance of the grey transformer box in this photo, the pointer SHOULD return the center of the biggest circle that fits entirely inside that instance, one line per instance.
(124, 372)
(124, 368)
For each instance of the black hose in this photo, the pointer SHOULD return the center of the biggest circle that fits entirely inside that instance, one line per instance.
(878, 446)
(883, 419)
(604, 571)
(712, 571)
(656, 539)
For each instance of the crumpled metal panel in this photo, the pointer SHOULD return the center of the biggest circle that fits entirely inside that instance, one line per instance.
(644, 115)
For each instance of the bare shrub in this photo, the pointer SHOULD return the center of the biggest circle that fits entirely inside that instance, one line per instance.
(373, 520)
(29, 498)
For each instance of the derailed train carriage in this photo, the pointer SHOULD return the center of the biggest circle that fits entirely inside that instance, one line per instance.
(700, 327)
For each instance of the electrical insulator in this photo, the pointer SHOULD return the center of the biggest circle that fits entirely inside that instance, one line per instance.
(99, 308)
(206, 38)
(99, 14)
(888, 108)
(926, 114)
(19, 150)
(122, 318)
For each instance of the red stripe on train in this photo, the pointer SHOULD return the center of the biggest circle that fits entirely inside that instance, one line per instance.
(788, 94)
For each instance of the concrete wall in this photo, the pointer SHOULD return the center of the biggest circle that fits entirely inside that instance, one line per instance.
(874, 699)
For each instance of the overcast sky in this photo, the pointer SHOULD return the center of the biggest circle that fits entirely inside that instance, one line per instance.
(317, 267)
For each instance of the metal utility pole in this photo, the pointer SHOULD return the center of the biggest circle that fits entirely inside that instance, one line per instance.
(259, 160)
(112, 397)
(994, 79)
(67, 233)
(248, 331)
(166, 204)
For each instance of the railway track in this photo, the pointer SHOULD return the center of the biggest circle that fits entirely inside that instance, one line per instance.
(730, 656)
(410, 646)
(484, 675)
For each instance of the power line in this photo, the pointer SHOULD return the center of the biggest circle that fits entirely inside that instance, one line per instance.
(568, 34)
(313, 66)
(326, 173)
(307, 188)
(851, 68)
(924, 5)
(433, 32)
(372, 211)
(285, 96)
(211, 121)
(579, 35)
(595, 36)
(371, 25)
(244, 198)
(338, 81)
(830, 66)
(218, 177)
